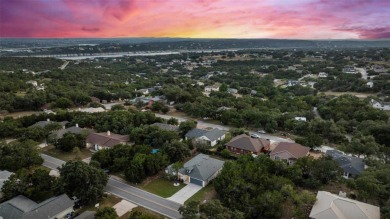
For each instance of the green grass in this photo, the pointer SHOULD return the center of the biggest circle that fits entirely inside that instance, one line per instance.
(108, 201)
(145, 212)
(205, 193)
(161, 187)
(66, 156)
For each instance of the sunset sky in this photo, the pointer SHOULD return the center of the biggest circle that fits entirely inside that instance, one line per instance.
(298, 19)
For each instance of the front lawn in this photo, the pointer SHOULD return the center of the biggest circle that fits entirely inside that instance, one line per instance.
(205, 193)
(66, 156)
(161, 187)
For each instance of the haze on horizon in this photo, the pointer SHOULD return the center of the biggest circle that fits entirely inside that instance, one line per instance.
(283, 19)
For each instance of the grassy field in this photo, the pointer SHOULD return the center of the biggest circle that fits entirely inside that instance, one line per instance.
(108, 201)
(52, 151)
(20, 114)
(161, 187)
(205, 193)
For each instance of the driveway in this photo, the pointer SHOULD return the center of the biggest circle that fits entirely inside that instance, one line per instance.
(123, 207)
(185, 193)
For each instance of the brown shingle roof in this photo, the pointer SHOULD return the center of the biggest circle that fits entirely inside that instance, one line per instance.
(250, 144)
(103, 139)
(294, 149)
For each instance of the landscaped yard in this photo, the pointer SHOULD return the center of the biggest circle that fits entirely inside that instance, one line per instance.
(205, 193)
(52, 151)
(161, 187)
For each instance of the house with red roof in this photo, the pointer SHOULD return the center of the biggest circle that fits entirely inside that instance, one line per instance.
(105, 140)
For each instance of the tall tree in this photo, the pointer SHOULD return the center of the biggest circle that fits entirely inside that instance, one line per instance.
(83, 181)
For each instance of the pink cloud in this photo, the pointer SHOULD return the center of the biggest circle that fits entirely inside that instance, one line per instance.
(195, 18)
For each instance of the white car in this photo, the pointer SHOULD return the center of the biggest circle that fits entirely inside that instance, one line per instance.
(261, 132)
(255, 136)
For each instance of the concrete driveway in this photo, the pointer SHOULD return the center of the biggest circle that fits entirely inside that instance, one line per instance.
(123, 207)
(185, 193)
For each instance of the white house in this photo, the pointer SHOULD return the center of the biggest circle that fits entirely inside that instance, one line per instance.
(299, 118)
(379, 105)
(211, 88)
(322, 75)
(209, 137)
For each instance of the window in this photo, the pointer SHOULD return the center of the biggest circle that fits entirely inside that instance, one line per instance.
(277, 158)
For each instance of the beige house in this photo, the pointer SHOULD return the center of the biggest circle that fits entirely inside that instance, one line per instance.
(331, 206)
(289, 152)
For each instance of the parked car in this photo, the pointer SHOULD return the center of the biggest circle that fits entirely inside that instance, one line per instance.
(261, 132)
(255, 136)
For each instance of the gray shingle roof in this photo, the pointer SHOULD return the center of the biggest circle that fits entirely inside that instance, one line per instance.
(86, 215)
(212, 135)
(201, 167)
(74, 129)
(250, 144)
(349, 164)
(21, 207)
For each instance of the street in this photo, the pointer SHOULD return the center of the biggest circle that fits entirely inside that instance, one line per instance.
(137, 196)
(202, 124)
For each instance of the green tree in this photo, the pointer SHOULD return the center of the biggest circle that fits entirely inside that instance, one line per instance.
(17, 155)
(63, 103)
(173, 121)
(106, 213)
(70, 141)
(83, 181)
(189, 210)
(223, 87)
(186, 126)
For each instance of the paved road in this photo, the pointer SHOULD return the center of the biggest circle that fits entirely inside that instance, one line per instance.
(137, 196)
(64, 65)
(203, 124)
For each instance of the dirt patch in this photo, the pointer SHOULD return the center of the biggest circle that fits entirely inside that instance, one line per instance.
(356, 94)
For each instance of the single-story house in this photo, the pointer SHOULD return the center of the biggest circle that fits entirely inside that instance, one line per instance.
(380, 105)
(244, 144)
(105, 140)
(211, 88)
(209, 137)
(322, 75)
(166, 127)
(22, 207)
(331, 206)
(200, 170)
(74, 129)
(352, 166)
(300, 118)
(289, 152)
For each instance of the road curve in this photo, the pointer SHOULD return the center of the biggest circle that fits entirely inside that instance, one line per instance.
(130, 193)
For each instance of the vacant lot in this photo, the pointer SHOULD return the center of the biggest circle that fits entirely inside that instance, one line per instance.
(52, 151)
(161, 187)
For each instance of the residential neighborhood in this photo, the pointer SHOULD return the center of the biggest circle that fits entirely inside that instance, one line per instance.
(265, 133)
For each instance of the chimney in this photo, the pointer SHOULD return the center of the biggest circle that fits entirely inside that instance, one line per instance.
(48, 119)
(108, 133)
(77, 125)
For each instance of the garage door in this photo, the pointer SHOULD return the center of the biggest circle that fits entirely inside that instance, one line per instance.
(196, 181)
